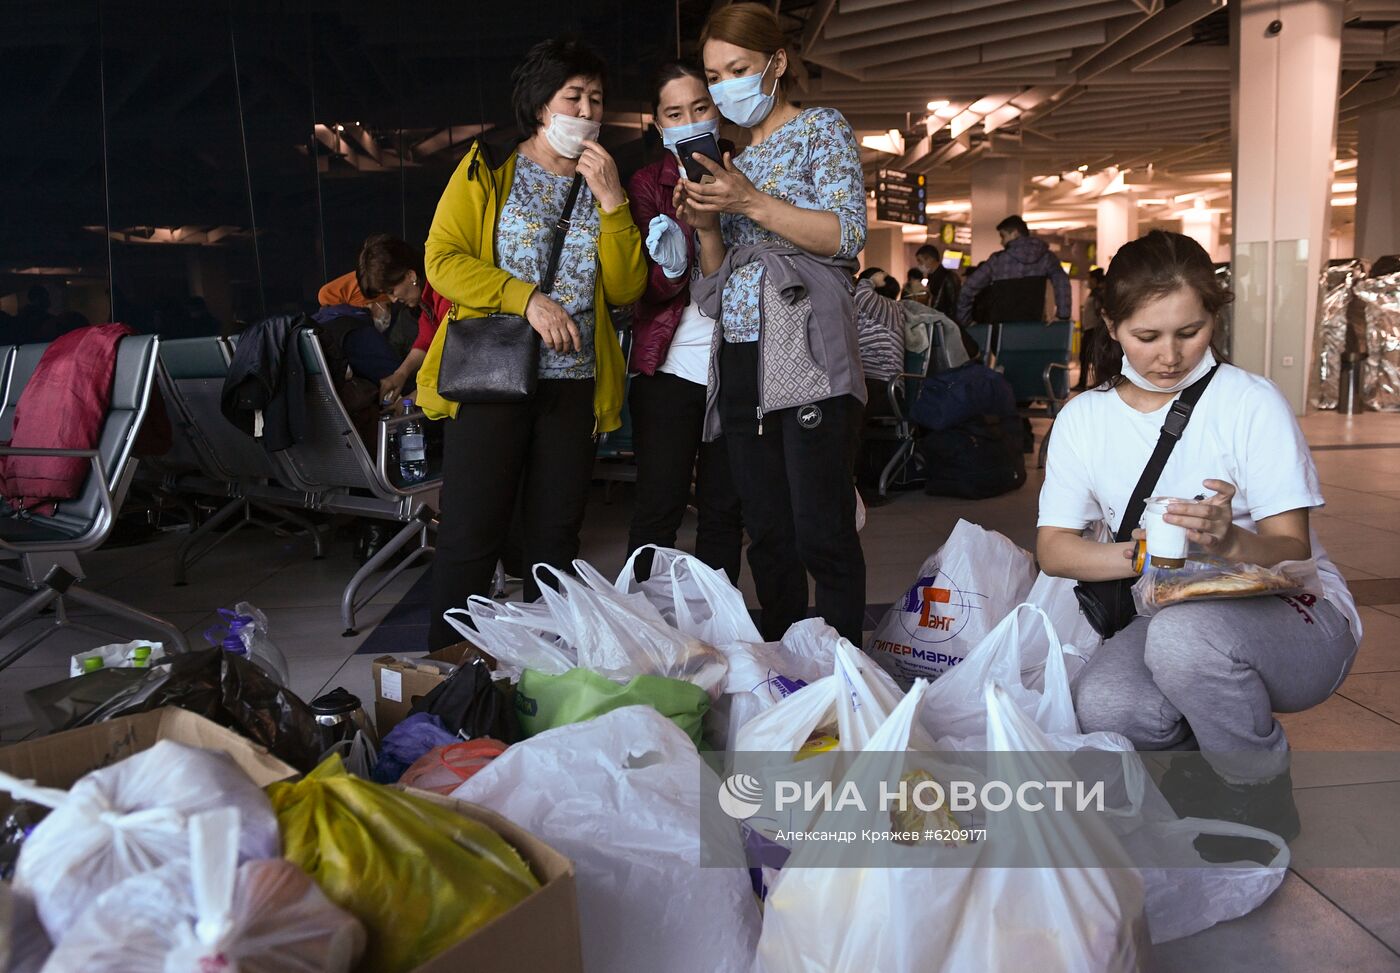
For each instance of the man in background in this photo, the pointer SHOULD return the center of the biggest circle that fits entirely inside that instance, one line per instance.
(942, 283)
(1022, 256)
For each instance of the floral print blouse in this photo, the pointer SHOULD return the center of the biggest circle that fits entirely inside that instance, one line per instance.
(523, 236)
(813, 162)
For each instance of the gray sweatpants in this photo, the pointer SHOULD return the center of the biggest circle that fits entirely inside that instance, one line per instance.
(1218, 670)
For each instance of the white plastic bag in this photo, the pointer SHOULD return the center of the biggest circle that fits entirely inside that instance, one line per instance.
(129, 818)
(207, 913)
(1055, 597)
(853, 701)
(961, 593)
(620, 796)
(691, 596)
(1179, 901)
(516, 636)
(763, 674)
(121, 655)
(955, 710)
(963, 916)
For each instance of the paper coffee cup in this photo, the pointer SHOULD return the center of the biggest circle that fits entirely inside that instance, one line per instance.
(1166, 543)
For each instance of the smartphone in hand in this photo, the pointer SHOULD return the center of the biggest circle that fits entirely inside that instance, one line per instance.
(706, 145)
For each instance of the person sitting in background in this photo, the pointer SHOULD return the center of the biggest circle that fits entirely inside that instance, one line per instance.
(389, 281)
(942, 284)
(880, 329)
(914, 289)
(1091, 329)
(1022, 256)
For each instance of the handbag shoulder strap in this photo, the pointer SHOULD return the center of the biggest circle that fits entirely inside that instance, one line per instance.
(561, 230)
(1172, 428)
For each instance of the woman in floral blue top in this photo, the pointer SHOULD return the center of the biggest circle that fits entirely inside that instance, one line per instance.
(779, 228)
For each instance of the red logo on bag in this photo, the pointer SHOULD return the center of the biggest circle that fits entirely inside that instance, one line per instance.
(928, 615)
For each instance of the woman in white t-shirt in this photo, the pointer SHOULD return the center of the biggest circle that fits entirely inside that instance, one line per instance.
(1208, 675)
(671, 342)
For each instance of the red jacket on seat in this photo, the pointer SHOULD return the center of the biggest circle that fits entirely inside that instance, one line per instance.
(63, 406)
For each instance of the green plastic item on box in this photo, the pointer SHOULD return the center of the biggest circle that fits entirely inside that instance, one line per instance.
(544, 701)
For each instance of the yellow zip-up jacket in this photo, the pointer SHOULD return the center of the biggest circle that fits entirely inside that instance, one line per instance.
(461, 264)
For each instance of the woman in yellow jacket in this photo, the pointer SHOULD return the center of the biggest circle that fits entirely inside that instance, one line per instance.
(486, 252)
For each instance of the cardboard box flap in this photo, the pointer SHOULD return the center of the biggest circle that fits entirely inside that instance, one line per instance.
(60, 760)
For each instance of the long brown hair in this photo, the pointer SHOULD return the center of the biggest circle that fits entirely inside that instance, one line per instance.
(751, 26)
(1144, 270)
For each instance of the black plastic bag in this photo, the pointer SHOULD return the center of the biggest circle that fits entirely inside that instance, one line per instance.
(224, 688)
(469, 702)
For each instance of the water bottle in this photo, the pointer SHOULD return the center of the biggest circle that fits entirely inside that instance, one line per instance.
(413, 451)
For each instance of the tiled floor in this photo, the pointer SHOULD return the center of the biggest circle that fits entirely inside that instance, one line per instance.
(1324, 919)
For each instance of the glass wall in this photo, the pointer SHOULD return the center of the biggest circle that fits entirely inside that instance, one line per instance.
(186, 166)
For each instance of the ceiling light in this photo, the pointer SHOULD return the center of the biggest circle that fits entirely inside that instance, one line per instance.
(1340, 201)
(339, 127)
(1343, 187)
(1082, 169)
(947, 111)
(892, 142)
(1341, 165)
(935, 105)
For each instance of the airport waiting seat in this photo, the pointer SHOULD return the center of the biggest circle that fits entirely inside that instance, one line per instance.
(336, 470)
(49, 572)
(1035, 359)
(229, 465)
(899, 469)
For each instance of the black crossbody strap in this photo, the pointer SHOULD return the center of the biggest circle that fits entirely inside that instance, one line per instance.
(1177, 418)
(561, 230)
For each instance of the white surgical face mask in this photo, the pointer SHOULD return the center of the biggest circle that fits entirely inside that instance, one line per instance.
(567, 133)
(1199, 372)
(743, 100)
(670, 137)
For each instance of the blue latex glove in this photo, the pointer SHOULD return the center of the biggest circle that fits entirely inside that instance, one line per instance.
(666, 244)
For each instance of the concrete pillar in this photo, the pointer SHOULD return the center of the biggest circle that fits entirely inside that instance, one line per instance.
(1377, 184)
(1284, 105)
(1203, 226)
(884, 248)
(996, 194)
(1117, 225)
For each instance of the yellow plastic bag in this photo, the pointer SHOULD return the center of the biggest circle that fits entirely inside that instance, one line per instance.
(419, 876)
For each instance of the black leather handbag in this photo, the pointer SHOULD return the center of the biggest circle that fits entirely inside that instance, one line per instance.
(1108, 605)
(496, 358)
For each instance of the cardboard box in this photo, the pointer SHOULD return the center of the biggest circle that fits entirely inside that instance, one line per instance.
(399, 684)
(540, 933)
(59, 760)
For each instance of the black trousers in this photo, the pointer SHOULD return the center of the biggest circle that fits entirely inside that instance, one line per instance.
(794, 473)
(536, 456)
(668, 418)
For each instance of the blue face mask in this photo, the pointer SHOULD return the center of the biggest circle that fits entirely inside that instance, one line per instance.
(678, 133)
(743, 100)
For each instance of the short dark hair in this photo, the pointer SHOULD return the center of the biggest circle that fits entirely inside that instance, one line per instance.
(384, 262)
(870, 272)
(1096, 274)
(1014, 224)
(543, 72)
(670, 71)
(1148, 268)
(914, 274)
(928, 250)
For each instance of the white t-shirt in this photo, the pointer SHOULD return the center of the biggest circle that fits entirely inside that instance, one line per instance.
(689, 354)
(1242, 431)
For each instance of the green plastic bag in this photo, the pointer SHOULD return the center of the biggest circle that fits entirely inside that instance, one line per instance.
(419, 876)
(544, 701)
